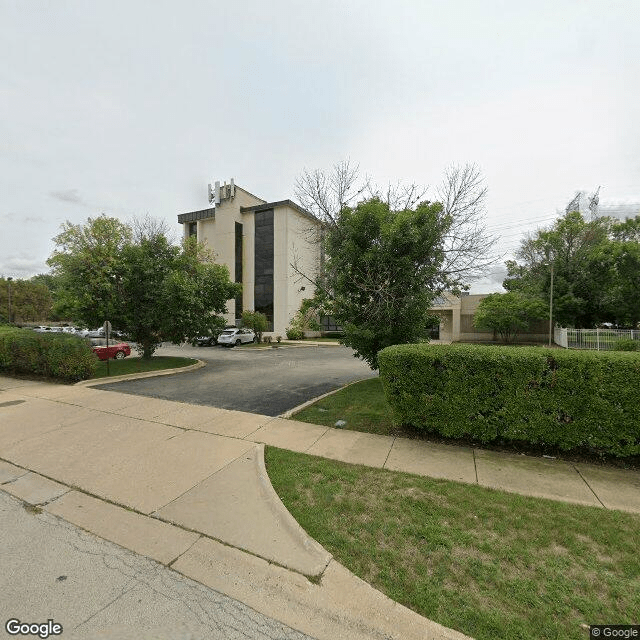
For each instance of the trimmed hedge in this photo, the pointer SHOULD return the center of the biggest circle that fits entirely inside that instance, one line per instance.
(552, 397)
(53, 355)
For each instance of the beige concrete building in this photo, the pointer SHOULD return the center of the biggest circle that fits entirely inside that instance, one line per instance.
(456, 321)
(265, 245)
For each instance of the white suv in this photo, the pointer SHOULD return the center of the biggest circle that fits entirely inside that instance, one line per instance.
(233, 337)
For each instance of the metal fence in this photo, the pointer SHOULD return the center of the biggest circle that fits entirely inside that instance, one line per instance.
(597, 339)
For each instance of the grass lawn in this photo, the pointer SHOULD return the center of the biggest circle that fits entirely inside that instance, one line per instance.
(362, 405)
(487, 563)
(138, 365)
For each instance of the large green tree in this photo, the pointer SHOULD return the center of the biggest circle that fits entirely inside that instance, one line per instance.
(387, 257)
(133, 276)
(382, 272)
(595, 268)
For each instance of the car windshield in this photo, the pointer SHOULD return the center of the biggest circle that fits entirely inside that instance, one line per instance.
(228, 333)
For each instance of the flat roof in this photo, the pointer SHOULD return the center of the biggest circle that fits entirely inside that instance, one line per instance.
(279, 203)
(192, 216)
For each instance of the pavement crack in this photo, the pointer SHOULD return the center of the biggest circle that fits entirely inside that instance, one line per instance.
(181, 554)
(590, 487)
(389, 452)
(106, 606)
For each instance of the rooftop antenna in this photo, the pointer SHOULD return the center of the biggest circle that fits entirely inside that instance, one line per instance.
(574, 205)
(594, 201)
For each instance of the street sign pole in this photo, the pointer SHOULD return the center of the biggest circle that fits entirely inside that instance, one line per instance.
(107, 330)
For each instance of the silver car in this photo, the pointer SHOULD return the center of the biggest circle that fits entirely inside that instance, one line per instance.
(233, 337)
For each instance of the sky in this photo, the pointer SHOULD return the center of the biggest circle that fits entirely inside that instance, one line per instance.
(132, 108)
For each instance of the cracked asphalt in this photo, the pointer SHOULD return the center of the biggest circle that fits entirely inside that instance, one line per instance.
(264, 381)
(96, 589)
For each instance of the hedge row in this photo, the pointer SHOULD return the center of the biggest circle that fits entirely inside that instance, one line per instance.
(557, 398)
(53, 355)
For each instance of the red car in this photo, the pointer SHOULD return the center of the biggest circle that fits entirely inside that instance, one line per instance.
(118, 351)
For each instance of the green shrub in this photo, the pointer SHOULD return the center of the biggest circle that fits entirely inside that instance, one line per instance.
(626, 344)
(563, 399)
(294, 333)
(256, 321)
(53, 355)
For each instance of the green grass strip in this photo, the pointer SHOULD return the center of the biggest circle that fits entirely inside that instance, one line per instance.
(138, 365)
(361, 405)
(487, 563)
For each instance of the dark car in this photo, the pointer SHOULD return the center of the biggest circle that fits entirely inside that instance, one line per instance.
(207, 341)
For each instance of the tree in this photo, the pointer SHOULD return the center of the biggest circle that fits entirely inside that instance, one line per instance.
(256, 321)
(596, 266)
(462, 193)
(383, 270)
(87, 263)
(509, 313)
(30, 301)
(149, 288)
(306, 318)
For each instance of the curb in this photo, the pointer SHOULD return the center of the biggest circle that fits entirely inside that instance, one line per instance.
(311, 343)
(144, 374)
(292, 412)
(284, 516)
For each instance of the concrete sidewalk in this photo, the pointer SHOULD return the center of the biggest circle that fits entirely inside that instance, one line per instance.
(186, 486)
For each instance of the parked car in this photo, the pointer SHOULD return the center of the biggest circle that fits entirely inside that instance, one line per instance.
(211, 339)
(233, 337)
(207, 341)
(118, 351)
(42, 329)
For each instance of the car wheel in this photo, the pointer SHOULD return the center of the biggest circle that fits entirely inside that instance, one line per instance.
(119, 355)
(211, 342)
(255, 340)
(238, 341)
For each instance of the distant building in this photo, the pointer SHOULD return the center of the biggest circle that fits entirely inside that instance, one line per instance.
(265, 245)
(456, 321)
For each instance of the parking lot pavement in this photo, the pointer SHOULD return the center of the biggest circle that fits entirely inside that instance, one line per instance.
(266, 381)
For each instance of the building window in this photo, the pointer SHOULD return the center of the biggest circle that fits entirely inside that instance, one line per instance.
(238, 268)
(193, 230)
(263, 287)
(328, 323)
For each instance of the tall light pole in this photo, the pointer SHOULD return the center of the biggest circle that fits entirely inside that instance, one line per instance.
(549, 261)
(9, 279)
(551, 306)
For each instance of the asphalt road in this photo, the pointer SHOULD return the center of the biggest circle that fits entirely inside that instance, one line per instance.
(95, 589)
(265, 381)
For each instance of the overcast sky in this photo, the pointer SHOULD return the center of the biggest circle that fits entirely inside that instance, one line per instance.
(133, 107)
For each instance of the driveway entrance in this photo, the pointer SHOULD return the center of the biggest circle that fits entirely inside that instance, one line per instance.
(265, 381)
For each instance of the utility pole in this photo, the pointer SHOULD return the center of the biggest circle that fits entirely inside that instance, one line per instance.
(551, 307)
(9, 279)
